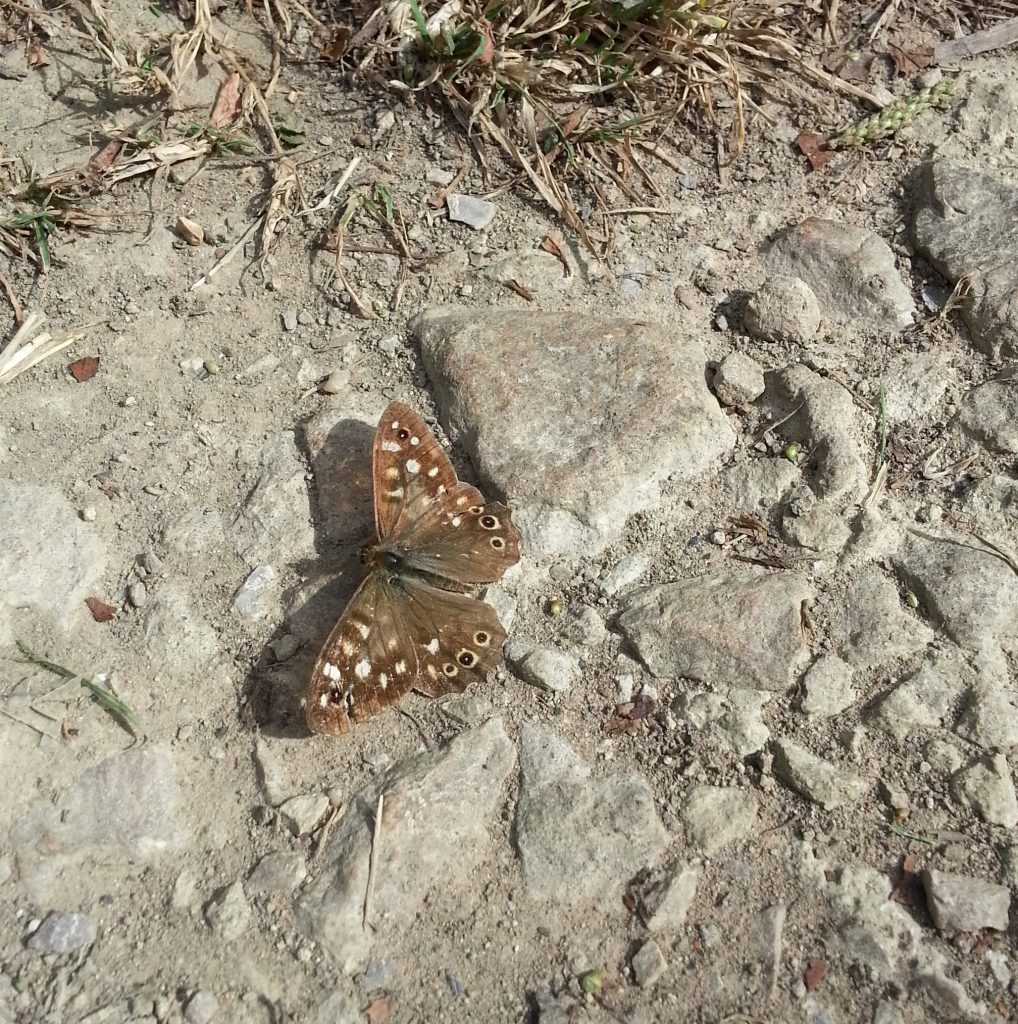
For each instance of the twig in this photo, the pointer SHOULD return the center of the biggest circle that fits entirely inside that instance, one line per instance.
(248, 232)
(376, 840)
(19, 317)
(323, 832)
(333, 195)
(1004, 33)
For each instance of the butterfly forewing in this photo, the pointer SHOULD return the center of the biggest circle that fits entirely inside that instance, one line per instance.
(441, 526)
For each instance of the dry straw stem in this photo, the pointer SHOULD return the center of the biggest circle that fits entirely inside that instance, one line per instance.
(24, 351)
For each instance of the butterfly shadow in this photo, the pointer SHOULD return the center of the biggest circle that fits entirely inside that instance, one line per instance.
(341, 501)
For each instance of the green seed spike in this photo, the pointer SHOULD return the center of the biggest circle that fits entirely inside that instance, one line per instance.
(894, 116)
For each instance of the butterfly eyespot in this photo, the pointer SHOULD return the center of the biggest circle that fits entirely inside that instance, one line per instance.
(475, 510)
(467, 659)
(497, 543)
(450, 669)
(403, 434)
(489, 522)
(481, 638)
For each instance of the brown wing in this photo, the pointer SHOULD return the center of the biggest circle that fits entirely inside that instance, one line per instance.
(368, 662)
(437, 524)
(397, 634)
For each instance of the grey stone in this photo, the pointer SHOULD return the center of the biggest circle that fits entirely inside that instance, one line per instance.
(337, 1007)
(194, 533)
(851, 271)
(716, 816)
(63, 933)
(989, 414)
(914, 386)
(272, 773)
(738, 627)
(336, 382)
(228, 913)
(547, 667)
(50, 560)
(991, 505)
(964, 904)
(277, 872)
(584, 626)
(828, 687)
(503, 600)
(972, 594)
(732, 717)
(300, 814)
(738, 380)
(924, 698)
(626, 571)
(964, 223)
(877, 628)
(580, 839)
(816, 411)
(177, 639)
(388, 345)
(990, 717)
(275, 522)
(986, 114)
(201, 1008)
(766, 932)
(784, 309)
(887, 1013)
(669, 901)
(943, 756)
(868, 927)
(436, 815)
(258, 595)
(475, 213)
(520, 393)
(986, 787)
(819, 528)
(816, 779)
(136, 594)
(285, 647)
(648, 964)
(184, 896)
(289, 319)
(948, 998)
(759, 484)
(540, 272)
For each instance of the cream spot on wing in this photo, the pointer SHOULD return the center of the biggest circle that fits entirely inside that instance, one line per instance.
(455, 520)
(362, 669)
(391, 472)
(432, 671)
(323, 701)
(413, 466)
(331, 672)
(433, 645)
(395, 424)
(433, 471)
(346, 647)
(396, 492)
(392, 642)
(441, 488)
(383, 679)
(461, 500)
(400, 667)
(362, 628)
(390, 446)
(415, 441)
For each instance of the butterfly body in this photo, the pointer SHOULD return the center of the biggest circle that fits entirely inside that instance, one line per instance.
(412, 623)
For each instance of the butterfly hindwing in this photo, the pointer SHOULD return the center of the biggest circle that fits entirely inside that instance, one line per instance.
(368, 662)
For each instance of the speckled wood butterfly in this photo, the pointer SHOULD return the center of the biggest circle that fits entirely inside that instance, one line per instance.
(412, 624)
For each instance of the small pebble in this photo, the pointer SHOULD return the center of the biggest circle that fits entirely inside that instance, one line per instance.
(130, 402)
(88, 514)
(289, 320)
(285, 647)
(387, 345)
(305, 317)
(336, 382)
(136, 594)
(152, 489)
(475, 213)
(150, 563)
(201, 1008)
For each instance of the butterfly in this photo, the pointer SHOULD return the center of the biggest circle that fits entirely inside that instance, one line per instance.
(413, 624)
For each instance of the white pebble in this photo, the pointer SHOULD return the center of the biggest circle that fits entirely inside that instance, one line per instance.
(89, 513)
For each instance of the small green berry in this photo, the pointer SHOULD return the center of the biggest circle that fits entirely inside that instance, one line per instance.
(591, 981)
(791, 452)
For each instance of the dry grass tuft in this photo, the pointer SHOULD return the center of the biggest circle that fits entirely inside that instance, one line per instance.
(570, 89)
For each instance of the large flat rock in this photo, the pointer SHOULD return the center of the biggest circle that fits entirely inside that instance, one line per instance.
(738, 628)
(435, 821)
(577, 421)
(966, 224)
